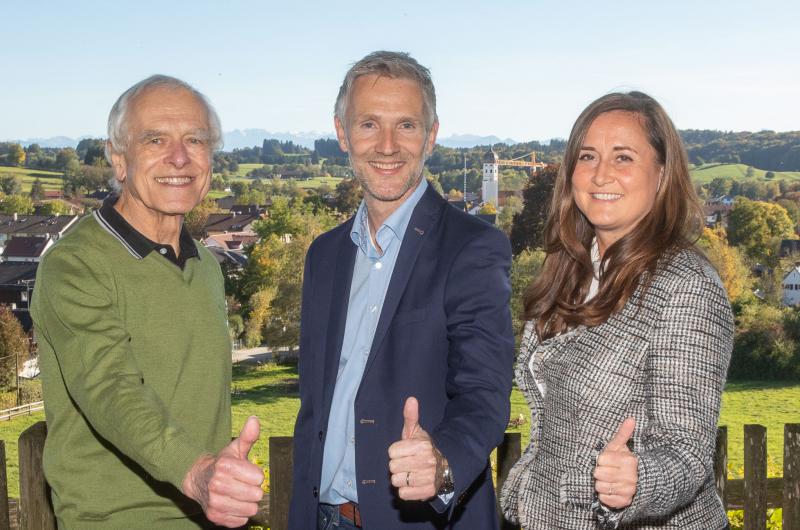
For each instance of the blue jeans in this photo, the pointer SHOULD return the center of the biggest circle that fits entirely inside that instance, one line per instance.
(329, 518)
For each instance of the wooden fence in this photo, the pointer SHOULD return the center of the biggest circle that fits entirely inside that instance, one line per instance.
(22, 410)
(754, 494)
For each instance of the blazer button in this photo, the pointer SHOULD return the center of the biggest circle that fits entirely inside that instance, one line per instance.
(314, 492)
(320, 436)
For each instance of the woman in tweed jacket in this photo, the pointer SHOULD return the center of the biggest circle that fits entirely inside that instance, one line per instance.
(629, 334)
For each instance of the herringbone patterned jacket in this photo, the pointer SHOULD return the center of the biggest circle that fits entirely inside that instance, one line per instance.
(663, 360)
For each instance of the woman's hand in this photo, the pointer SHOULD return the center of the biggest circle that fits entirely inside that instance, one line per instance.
(616, 472)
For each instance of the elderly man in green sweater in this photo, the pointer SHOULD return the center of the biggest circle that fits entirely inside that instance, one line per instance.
(131, 322)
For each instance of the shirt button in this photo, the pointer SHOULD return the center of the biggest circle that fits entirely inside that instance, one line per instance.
(352, 439)
(349, 483)
(379, 265)
(373, 308)
(162, 251)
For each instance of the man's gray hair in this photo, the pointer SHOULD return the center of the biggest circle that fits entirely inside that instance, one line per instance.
(397, 65)
(118, 117)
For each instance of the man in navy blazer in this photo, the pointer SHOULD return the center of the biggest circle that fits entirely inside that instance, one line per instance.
(406, 346)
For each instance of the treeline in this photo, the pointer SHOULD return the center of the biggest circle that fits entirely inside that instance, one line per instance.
(764, 149)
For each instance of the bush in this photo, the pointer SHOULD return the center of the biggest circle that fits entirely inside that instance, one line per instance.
(30, 391)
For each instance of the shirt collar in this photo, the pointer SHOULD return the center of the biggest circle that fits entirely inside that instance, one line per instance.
(135, 242)
(596, 258)
(394, 227)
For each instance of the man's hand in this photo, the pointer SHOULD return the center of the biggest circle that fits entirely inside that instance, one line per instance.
(415, 464)
(228, 486)
(616, 472)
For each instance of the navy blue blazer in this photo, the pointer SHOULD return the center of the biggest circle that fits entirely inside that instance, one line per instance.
(444, 336)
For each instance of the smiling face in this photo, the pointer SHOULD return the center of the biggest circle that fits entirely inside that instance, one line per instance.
(617, 175)
(384, 133)
(165, 170)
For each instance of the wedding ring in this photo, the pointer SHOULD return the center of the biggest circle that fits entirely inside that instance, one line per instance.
(408, 478)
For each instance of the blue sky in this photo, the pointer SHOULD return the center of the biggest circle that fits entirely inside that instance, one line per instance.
(522, 70)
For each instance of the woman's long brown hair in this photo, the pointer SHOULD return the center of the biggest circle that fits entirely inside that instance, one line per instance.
(555, 299)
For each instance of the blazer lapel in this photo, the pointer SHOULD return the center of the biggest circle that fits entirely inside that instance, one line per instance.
(421, 223)
(340, 297)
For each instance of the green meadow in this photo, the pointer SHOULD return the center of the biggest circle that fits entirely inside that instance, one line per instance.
(707, 172)
(51, 180)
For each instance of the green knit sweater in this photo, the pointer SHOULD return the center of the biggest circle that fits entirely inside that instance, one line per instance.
(136, 368)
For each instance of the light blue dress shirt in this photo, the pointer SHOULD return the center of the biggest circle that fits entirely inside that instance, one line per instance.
(371, 274)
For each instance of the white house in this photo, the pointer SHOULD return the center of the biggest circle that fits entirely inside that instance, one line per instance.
(791, 287)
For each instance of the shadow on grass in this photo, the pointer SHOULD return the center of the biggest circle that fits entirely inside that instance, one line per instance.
(272, 383)
(744, 386)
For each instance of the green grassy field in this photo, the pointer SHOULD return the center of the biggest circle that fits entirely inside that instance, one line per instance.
(51, 180)
(708, 172)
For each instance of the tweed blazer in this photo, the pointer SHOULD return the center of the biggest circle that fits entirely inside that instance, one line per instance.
(662, 359)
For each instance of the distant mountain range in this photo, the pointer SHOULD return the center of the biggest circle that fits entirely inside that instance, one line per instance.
(238, 139)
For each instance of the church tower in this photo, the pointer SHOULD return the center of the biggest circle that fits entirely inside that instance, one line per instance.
(490, 177)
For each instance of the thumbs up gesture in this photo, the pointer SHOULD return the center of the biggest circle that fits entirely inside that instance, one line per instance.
(415, 464)
(228, 486)
(616, 472)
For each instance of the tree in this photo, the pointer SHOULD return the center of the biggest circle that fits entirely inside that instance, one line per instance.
(54, 207)
(733, 271)
(455, 195)
(37, 190)
(433, 180)
(195, 220)
(16, 155)
(488, 209)
(506, 217)
(13, 348)
(524, 269)
(10, 184)
(271, 284)
(758, 228)
(719, 187)
(65, 157)
(347, 196)
(21, 204)
(527, 228)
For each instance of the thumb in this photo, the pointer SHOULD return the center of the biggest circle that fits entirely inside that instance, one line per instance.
(623, 434)
(247, 437)
(410, 418)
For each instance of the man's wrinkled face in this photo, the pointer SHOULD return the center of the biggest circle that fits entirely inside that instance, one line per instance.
(166, 168)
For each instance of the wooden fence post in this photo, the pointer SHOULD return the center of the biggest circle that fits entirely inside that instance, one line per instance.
(35, 509)
(721, 464)
(508, 453)
(5, 520)
(791, 476)
(280, 481)
(755, 477)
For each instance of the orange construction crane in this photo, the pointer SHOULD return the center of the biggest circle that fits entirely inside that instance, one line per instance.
(533, 164)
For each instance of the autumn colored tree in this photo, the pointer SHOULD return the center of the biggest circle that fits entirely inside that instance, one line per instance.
(195, 220)
(16, 155)
(524, 269)
(13, 348)
(488, 209)
(758, 227)
(729, 262)
(271, 284)
(21, 204)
